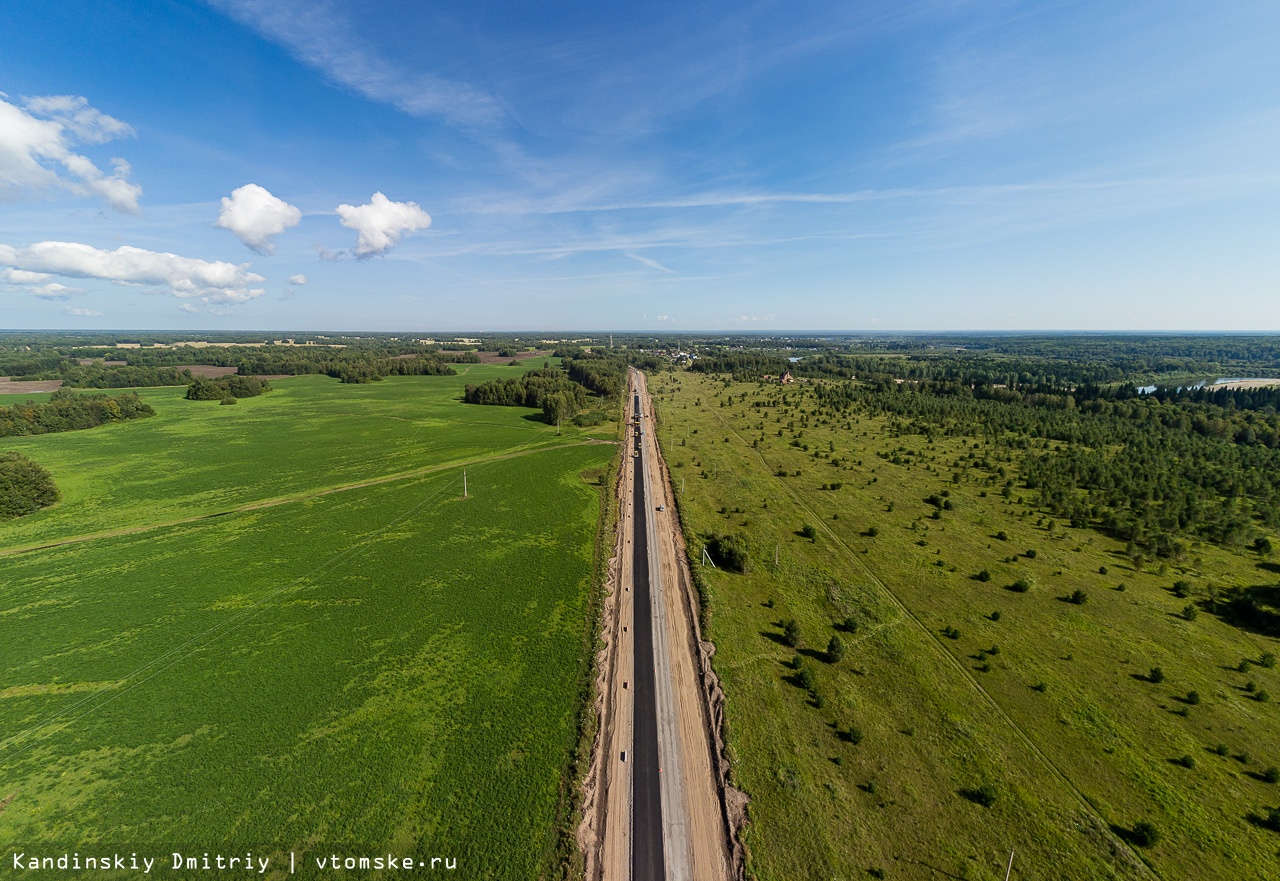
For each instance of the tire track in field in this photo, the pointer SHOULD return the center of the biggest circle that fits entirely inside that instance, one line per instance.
(1136, 859)
(295, 497)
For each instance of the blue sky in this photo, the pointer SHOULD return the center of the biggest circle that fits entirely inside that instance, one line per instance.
(688, 166)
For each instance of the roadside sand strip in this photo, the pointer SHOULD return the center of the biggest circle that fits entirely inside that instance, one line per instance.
(707, 830)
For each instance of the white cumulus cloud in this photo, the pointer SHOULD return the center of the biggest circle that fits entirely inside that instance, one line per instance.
(255, 215)
(187, 278)
(298, 279)
(85, 313)
(381, 223)
(36, 154)
(21, 276)
(54, 291)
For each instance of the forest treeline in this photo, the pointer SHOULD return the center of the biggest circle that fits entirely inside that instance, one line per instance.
(69, 411)
(160, 367)
(548, 389)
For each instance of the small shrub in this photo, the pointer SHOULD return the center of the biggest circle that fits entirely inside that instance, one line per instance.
(984, 795)
(1190, 612)
(1156, 675)
(1031, 553)
(1262, 696)
(1002, 536)
(984, 576)
(1102, 570)
(1182, 589)
(1041, 687)
(1271, 775)
(995, 616)
(950, 632)
(791, 632)
(1244, 665)
(1144, 834)
(835, 650)
(809, 532)
(1187, 762)
(1267, 660)
(853, 735)
(1272, 819)
(1193, 697)
(1079, 597)
(1220, 750)
(1022, 585)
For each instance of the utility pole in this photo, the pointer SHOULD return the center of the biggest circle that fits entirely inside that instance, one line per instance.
(464, 483)
(1009, 871)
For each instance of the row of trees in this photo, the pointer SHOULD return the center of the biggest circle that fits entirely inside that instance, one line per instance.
(67, 410)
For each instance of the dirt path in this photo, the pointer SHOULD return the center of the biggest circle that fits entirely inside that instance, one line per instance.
(295, 497)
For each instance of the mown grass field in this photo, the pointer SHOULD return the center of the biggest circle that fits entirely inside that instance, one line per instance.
(385, 667)
(1049, 703)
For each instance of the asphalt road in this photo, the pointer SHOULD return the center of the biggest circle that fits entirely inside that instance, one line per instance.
(647, 863)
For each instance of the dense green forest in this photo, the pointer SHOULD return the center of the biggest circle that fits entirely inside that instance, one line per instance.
(548, 389)
(68, 411)
(25, 486)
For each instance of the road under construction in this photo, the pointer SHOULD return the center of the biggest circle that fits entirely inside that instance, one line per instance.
(657, 807)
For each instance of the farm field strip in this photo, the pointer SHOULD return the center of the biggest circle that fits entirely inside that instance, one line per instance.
(298, 497)
(196, 457)
(295, 634)
(180, 652)
(417, 690)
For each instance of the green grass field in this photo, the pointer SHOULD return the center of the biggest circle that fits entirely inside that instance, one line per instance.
(311, 433)
(384, 667)
(1050, 704)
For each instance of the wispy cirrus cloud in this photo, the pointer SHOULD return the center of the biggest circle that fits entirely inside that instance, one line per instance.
(319, 35)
